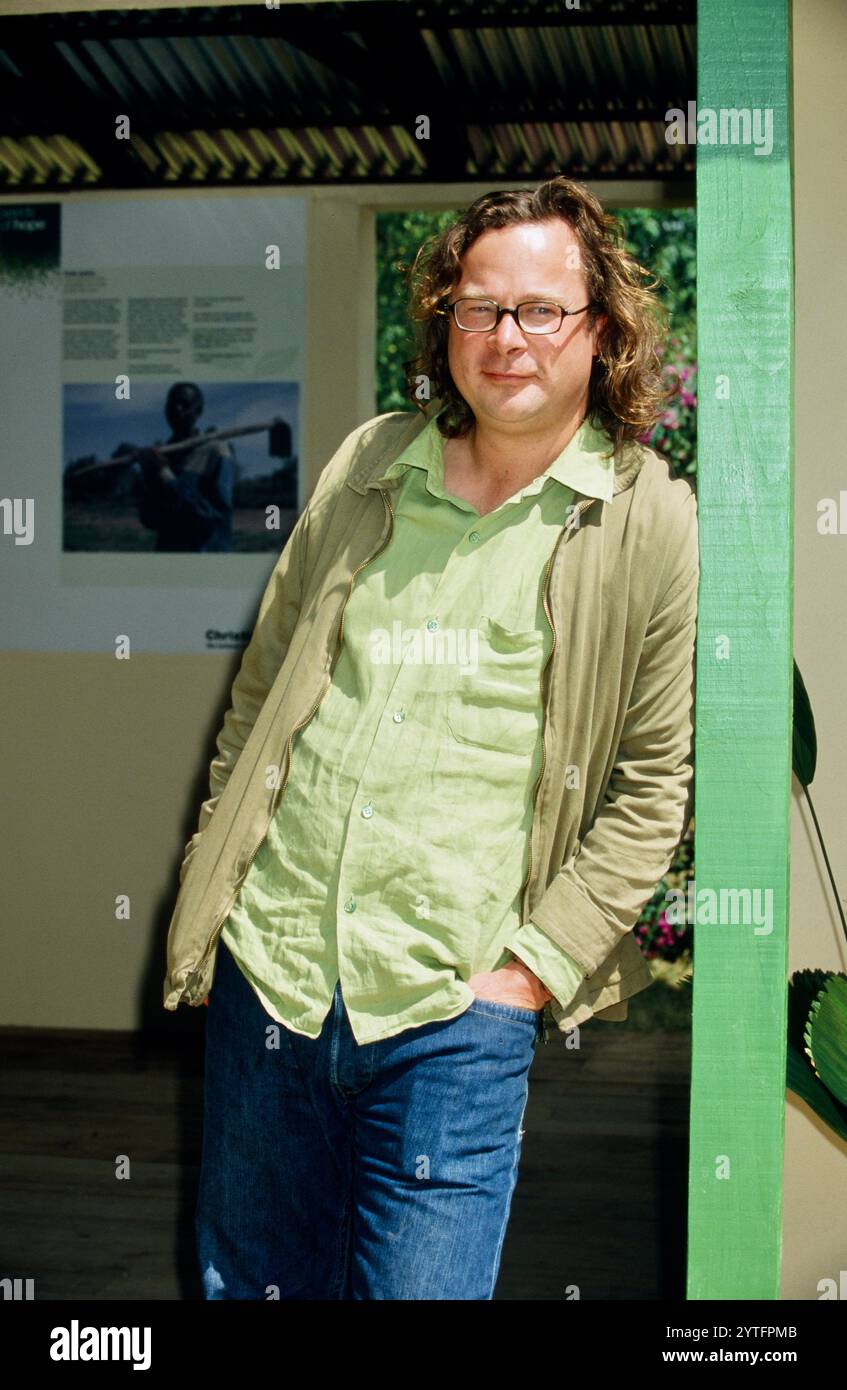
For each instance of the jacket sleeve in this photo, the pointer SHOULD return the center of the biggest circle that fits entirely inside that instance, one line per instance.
(548, 961)
(276, 620)
(262, 658)
(600, 891)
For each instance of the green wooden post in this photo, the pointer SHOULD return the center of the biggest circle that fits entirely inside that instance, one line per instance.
(744, 652)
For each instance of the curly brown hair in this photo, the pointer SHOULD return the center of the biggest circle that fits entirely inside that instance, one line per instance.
(627, 391)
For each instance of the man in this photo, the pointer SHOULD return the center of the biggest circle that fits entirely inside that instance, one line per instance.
(186, 496)
(455, 766)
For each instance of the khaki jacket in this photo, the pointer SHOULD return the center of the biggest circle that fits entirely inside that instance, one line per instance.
(615, 789)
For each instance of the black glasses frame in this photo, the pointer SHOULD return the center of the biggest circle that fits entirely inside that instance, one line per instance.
(450, 311)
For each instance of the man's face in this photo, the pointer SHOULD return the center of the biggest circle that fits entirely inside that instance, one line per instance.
(183, 410)
(523, 382)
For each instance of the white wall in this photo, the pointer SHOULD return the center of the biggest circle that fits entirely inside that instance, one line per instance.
(815, 1215)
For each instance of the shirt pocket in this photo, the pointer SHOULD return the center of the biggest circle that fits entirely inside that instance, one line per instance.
(497, 706)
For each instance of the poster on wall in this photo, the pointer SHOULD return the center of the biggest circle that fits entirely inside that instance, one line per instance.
(163, 461)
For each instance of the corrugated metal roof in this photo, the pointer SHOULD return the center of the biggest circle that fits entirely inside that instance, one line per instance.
(243, 95)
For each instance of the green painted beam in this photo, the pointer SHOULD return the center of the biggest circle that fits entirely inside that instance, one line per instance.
(744, 650)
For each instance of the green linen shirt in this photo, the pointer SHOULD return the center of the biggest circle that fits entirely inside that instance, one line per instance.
(396, 857)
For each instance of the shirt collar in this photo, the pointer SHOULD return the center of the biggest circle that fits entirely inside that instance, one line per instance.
(581, 465)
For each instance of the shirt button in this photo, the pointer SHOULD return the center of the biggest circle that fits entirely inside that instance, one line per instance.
(474, 536)
(432, 624)
(398, 716)
(367, 811)
(350, 905)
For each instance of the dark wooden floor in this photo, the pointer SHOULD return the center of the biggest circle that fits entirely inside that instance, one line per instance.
(600, 1200)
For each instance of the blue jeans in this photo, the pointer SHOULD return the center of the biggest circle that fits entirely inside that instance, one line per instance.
(338, 1170)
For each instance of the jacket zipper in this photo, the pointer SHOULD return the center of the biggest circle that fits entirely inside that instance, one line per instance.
(280, 789)
(571, 522)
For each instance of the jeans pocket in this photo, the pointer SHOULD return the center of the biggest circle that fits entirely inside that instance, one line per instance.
(514, 1011)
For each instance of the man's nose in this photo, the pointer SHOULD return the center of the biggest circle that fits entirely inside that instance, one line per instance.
(507, 333)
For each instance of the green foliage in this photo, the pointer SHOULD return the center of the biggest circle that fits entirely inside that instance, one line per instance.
(657, 937)
(817, 1028)
(804, 747)
(659, 1007)
(398, 237)
(825, 1036)
(665, 243)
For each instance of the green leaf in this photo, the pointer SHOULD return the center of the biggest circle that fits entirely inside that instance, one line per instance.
(804, 743)
(826, 1036)
(802, 1081)
(804, 988)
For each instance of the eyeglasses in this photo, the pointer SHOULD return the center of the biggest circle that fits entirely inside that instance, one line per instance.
(474, 314)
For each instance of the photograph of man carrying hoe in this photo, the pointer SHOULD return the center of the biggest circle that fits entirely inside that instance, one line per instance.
(411, 862)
